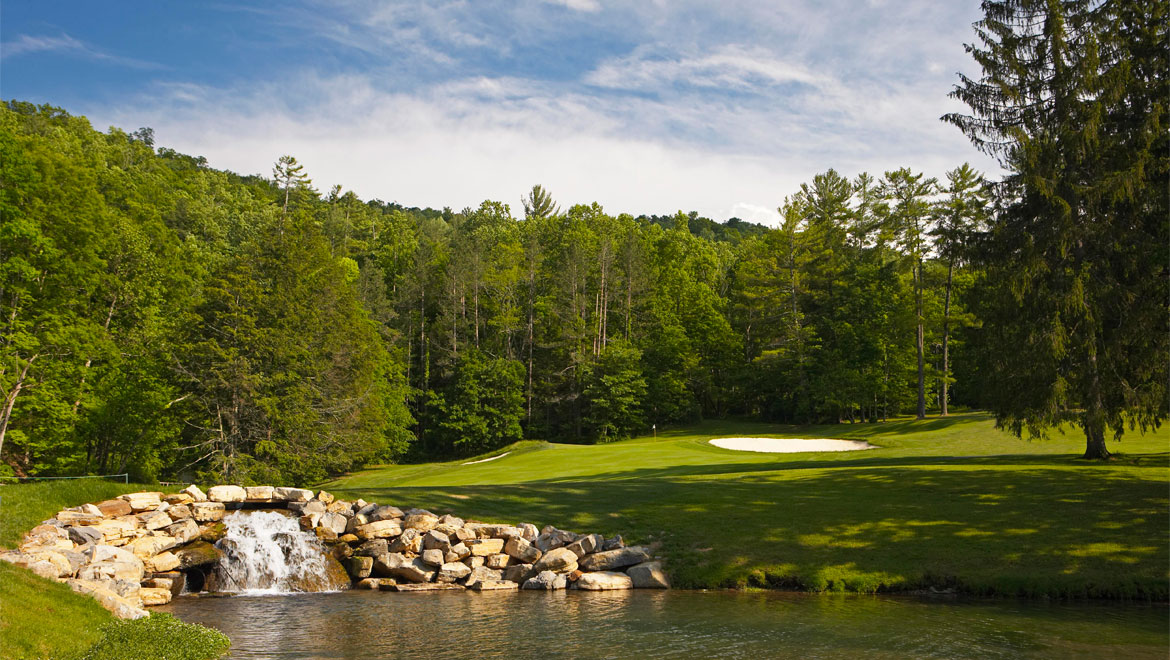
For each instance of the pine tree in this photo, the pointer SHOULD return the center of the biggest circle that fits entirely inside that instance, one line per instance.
(1072, 100)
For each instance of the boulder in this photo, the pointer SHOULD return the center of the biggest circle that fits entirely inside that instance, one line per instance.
(547, 581)
(358, 567)
(113, 529)
(378, 530)
(325, 498)
(528, 531)
(153, 520)
(155, 596)
(178, 581)
(183, 531)
(162, 562)
(333, 521)
(373, 548)
(473, 562)
(208, 511)
(648, 575)
(307, 508)
(452, 571)
(325, 534)
(423, 522)
(409, 541)
(552, 538)
(519, 573)
(371, 583)
(212, 532)
(614, 559)
(558, 560)
(499, 561)
(522, 550)
(283, 494)
(196, 494)
(415, 571)
(494, 585)
(485, 547)
(433, 557)
(604, 581)
(78, 518)
(355, 521)
(118, 606)
(149, 546)
(179, 512)
(434, 586)
(177, 498)
(83, 535)
(145, 501)
(199, 553)
(615, 543)
(480, 574)
(341, 507)
(463, 534)
(258, 493)
(112, 508)
(435, 540)
(227, 494)
(451, 520)
(494, 531)
(387, 563)
(586, 544)
(460, 551)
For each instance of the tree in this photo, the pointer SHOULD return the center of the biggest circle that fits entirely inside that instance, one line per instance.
(960, 215)
(1073, 101)
(290, 176)
(614, 391)
(481, 407)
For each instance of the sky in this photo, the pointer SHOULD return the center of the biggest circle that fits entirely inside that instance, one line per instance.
(647, 107)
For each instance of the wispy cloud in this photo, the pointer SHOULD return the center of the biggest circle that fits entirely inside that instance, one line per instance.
(728, 66)
(28, 44)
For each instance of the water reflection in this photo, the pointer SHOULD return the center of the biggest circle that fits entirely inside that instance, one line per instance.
(660, 624)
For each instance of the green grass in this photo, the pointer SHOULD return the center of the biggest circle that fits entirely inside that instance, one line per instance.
(41, 618)
(945, 503)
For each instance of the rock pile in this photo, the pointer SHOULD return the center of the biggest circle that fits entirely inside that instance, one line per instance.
(142, 548)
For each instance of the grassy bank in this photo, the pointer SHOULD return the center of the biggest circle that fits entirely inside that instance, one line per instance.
(942, 503)
(41, 618)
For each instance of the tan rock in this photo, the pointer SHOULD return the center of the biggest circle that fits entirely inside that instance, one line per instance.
(452, 571)
(175, 499)
(648, 575)
(528, 531)
(183, 531)
(79, 518)
(179, 512)
(111, 508)
(258, 493)
(423, 522)
(614, 559)
(153, 520)
(410, 541)
(557, 560)
(226, 493)
(285, 494)
(333, 521)
(371, 583)
(485, 547)
(378, 530)
(339, 506)
(162, 562)
(195, 494)
(436, 540)
(116, 528)
(495, 585)
(433, 557)
(499, 561)
(153, 596)
(522, 550)
(604, 581)
(149, 546)
(208, 511)
(434, 586)
(143, 501)
(325, 498)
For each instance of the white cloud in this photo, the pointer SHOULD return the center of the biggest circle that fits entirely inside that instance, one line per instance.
(730, 66)
(579, 5)
(27, 44)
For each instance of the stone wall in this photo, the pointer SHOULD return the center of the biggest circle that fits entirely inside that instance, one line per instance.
(142, 549)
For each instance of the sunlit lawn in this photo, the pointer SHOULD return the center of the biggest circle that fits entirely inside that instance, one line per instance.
(941, 503)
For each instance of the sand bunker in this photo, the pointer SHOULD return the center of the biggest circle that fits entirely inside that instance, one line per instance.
(790, 445)
(485, 460)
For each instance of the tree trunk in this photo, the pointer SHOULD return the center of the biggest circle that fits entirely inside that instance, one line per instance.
(921, 344)
(10, 400)
(946, 356)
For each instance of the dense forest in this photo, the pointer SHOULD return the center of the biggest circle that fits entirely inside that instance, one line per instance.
(162, 316)
(165, 318)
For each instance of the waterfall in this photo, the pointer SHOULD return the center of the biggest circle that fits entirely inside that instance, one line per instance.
(266, 552)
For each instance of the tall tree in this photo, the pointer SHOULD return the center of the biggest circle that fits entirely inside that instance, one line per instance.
(1073, 101)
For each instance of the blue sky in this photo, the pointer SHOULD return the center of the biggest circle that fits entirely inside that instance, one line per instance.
(647, 107)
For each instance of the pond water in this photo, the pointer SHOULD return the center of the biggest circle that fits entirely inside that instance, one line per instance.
(673, 624)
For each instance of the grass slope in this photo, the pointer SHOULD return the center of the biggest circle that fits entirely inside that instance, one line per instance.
(942, 503)
(41, 618)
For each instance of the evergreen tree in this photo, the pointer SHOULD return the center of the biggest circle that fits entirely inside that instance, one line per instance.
(1072, 100)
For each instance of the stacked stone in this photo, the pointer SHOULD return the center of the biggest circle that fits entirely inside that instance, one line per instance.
(132, 551)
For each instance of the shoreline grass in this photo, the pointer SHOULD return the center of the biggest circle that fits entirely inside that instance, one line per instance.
(949, 504)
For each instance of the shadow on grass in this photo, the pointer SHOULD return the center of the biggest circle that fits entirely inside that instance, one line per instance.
(884, 525)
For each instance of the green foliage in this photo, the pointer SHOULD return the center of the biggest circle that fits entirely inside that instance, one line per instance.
(1073, 100)
(158, 637)
(614, 392)
(480, 409)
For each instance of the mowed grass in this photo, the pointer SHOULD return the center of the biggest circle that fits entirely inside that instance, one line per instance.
(942, 503)
(41, 618)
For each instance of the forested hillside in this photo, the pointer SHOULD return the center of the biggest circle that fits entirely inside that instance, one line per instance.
(167, 318)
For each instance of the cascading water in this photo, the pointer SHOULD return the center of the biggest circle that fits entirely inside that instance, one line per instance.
(266, 552)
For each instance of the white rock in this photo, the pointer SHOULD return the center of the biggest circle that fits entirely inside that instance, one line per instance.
(604, 581)
(227, 494)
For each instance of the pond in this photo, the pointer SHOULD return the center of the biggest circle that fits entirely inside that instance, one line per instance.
(671, 624)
